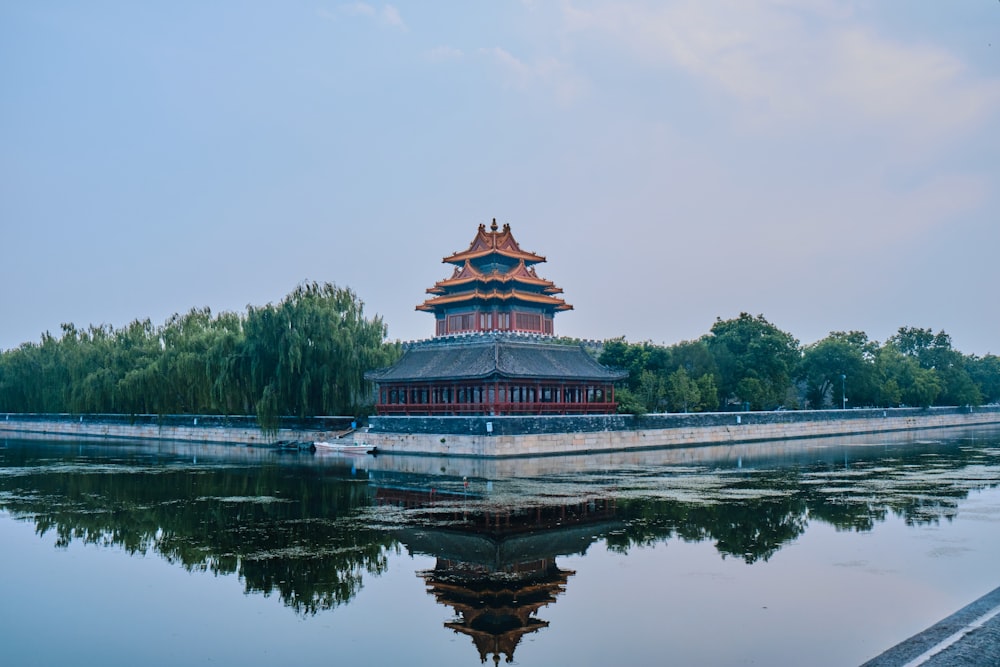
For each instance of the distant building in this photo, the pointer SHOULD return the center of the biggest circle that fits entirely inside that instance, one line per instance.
(493, 352)
(494, 287)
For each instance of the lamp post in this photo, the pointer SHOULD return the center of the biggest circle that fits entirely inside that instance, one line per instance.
(843, 390)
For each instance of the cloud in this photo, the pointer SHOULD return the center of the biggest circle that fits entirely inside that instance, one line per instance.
(924, 87)
(547, 73)
(804, 62)
(444, 53)
(358, 9)
(388, 15)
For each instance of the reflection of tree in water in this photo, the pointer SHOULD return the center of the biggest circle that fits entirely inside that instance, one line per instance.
(752, 514)
(767, 515)
(299, 531)
(281, 530)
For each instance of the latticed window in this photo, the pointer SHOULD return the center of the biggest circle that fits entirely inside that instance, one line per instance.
(528, 321)
(457, 323)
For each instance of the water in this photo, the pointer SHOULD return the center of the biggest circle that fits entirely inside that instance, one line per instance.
(822, 552)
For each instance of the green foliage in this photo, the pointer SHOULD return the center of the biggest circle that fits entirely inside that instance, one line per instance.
(682, 391)
(652, 392)
(312, 350)
(305, 356)
(302, 548)
(747, 361)
(755, 360)
(708, 394)
(948, 369)
(827, 366)
(985, 373)
(628, 403)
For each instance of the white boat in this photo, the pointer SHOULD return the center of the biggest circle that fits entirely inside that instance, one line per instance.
(342, 447)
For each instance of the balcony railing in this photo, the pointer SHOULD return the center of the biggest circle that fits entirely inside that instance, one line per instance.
(462, 409)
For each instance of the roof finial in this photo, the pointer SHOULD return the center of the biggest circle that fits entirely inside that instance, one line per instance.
(494, 225)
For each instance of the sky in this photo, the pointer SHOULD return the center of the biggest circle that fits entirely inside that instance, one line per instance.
(831, 165)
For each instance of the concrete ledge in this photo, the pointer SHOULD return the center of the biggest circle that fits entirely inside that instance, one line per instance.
(503, 437)
(970, 636)
(214, 429)
(550, 435)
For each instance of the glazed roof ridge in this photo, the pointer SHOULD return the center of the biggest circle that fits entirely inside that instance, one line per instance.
(495, 295)
(493, 242)
(484, 337)
(444, 339)
(520, 272)
(489, 355)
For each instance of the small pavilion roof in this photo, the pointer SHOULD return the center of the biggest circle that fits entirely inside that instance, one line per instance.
(494, 295)
(467, 274)
(492, 242)
(495, 355)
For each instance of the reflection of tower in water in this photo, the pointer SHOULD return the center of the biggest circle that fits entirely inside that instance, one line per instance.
(496, 565)
(495, 608)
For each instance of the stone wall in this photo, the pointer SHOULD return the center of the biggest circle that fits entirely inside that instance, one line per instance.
(520, 425)
(513, 436)
(533, 436)
(230, 429)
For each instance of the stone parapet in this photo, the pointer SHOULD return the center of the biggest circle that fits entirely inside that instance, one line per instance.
(243, 430)
(539, 436)
(514, 436)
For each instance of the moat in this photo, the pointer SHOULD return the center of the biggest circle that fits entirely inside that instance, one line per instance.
(821, 552)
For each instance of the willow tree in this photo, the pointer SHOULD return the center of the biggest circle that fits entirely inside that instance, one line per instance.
(308, 354)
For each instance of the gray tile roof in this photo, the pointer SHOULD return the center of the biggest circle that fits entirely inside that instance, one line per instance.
(481, 357)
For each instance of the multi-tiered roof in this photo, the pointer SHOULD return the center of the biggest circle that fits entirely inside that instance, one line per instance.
(493, 352)
(494, 287)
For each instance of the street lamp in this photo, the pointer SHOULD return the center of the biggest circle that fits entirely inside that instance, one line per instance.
(843, 390)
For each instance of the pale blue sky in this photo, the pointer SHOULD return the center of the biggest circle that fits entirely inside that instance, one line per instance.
(830, 165)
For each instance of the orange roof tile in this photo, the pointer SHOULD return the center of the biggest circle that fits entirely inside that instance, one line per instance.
(493, 295)
(493, 242)
(467, 273)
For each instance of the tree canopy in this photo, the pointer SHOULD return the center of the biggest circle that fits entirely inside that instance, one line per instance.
(748, 363)
(305, 356)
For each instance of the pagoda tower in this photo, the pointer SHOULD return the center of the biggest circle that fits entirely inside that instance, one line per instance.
(495, 556)
(494, 287)
(493, 351)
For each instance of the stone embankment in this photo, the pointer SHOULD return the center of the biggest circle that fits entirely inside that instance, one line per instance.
(215, 429)
(539, 436)
(508, 436)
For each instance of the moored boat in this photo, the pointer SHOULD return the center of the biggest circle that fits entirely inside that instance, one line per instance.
(343, 448)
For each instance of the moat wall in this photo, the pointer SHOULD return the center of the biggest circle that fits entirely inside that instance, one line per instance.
(545, 435)
(216, 429)
(508, 436)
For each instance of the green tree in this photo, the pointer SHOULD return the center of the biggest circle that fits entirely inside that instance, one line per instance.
(934, 352)
(708, 393)
(755, 360)
(628, 402)
(683, 392)
(985, 372)
(903, 379)
(830, 365)
(653, 390)
(305, 356)
(309, 353)
(635, 358)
